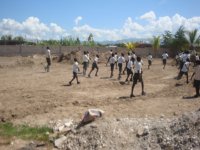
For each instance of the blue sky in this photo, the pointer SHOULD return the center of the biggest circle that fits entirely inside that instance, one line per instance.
(105, 19)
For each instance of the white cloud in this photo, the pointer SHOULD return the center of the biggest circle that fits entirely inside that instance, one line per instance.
(33, 28)
(150, 16)
(78, 19)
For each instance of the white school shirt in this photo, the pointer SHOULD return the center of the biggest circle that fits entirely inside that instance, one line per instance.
(197, 72)
(197, 57)
(185, 66)
(48, 53)
(128, 58)
(149, 57)
(134, 56)
(96, 60)
(165, 55)
(184, 57)
(75, 67)
(138, 67)
(112, 60)
(121, 60)
(85, 58)
(130, 64)
(115, 57)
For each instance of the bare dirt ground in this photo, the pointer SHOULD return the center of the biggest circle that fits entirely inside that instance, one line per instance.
(30, 95)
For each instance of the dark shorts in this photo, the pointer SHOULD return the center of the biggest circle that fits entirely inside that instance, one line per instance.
(120, 66)
(149, 62)
(129, 71)
(74, 74)
(112, 66)
(48, 61)
(196, 83)
(85, 65)
(137, 77)
(94, 65)
(164, 61)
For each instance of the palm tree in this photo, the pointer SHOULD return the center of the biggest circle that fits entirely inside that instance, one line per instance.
(192, 38)
(156, 44)
(130, 46)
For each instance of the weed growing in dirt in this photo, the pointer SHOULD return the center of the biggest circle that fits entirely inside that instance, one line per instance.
(24, 132)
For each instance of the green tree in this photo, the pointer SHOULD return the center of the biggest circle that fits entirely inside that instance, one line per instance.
(6, 37)
(193, 38)
(156, 44)
(180, 42)
(168, 39)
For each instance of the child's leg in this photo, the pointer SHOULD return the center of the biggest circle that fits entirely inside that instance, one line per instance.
(77, 79)
(72, 79)
(187, 81)
(90, 72)
(97, 71)
(132, 90)
(197, 90)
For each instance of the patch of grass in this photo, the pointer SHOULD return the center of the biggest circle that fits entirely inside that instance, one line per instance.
(24, 132)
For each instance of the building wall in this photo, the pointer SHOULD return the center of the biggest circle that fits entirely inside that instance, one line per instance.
(27, 50)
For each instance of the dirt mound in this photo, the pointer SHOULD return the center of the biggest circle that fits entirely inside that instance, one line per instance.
(146, 133)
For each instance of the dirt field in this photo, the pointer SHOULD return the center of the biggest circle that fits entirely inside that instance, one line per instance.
(29, 95)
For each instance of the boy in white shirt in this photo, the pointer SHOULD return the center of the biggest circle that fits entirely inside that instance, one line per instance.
(116, 58)
(121, 60)
(48, 59)
(129, 68)
(149, 58)
(75, 70)
(111, 52)
(137, 76)
(95, 65)
(164, 58)
(196, 75)
(112, 64)
(85, 62)
(127, 59)
(184, 70)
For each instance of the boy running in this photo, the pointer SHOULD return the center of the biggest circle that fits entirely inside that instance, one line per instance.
(137, 76)
(48, 59)
(94, 65)
(184, 70)
(149, 58)
(164, 58)
(85, 62)
(112, 64)
(121, 60)
(130, 69)
(196, 75)
(75, 70)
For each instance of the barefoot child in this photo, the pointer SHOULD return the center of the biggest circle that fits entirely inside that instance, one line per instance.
(164, 58)
(137, 76)
(130, 69)
(149, 58)
(95, 65)
(85, 62)
(48, 59)
(112, 64)
(121, 60)
(75, 69)
(184, 70)
(196, 75)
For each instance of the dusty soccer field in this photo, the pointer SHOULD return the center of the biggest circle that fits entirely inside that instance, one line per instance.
(29, 95)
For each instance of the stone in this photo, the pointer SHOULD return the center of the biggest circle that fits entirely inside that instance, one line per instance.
(58, 142)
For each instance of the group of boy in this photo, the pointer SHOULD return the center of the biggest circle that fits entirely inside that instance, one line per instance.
(133, 67)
